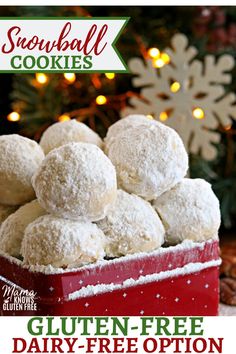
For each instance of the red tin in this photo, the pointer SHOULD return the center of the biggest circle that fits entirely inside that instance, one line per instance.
(179, 280)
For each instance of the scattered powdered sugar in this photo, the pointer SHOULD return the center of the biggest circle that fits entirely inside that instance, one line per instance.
(189, 210)
(149, 159)
(20, 157)
(62, 243)
(76, 181)
(226, 310)
(12, 260)
(190, 268)
(13, 228)
(62, 133)
(131, 226)
(122, 124)
(49, 269)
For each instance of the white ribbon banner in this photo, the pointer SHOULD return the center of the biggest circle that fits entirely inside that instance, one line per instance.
(61, 44)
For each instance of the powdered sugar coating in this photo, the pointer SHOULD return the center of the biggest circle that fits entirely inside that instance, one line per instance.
(131, 226)
(123, 124)
(62, 243)
(19, 159)
(13, 228)
(62, 133)
(149, 159)
(76, 181)
(190, 268)
(5, 211)
(189, 211)
(49, 269)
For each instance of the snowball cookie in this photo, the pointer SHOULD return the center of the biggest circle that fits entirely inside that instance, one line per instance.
(19, 159)
(76, 181)
(13, 228)
(123, 124)
(149, 159)
(131, 226)
(58, 242)
(5, 211)
(70, 131)
(189, 211)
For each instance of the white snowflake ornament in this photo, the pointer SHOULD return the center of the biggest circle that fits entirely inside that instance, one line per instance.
(187, 94)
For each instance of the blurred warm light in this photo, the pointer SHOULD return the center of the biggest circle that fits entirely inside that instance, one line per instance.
(41, 78)
(100, 100)
(70, 77)
(228, 127)
(198, 113)
(64, 118)
(13, 117)
(149, 116)
(175, 86)
(163, 116)
(158, 63)
(153, 52)
(110, 76)
(165, 57)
